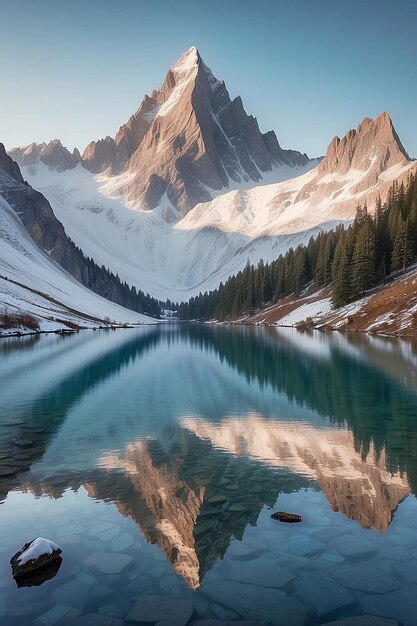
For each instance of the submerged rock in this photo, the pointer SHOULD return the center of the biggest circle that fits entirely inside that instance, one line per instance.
(162, 610)
(291, 518)
(35, 555)
(364, 620)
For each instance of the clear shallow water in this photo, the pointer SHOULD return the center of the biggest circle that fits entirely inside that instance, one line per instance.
(154, 458)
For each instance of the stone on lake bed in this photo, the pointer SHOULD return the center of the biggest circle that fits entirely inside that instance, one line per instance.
(57, 614)
(121, 542)
(161, 610)
(95, 619)
(220, 499)
(365, 577)
(220, 622)
(5, 472)
(282, 516)
(257, 603)
(108, 563)
(23, 443)
(364, 620)
(262, 573)
(323, 595)
(34, 555)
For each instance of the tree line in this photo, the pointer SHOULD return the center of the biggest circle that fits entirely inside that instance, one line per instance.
(109, 285)
(351, 259)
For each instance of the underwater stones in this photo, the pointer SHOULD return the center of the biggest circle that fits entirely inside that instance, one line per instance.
(218, 622)
(204, 526)
(328, 533)
(209, 511)
(59, 614)
(218, 499)
(257, 603)
(407, 570)
(34, 555)
(121, 542)
(161, 610)
(74, 592)
(222, 612)
(95, 619)
(332, 558)
(354, 549)
(23, 443)
(290, 518)
(262, 573)
(399, 605)
(6, 472)
(107, 563)
(364, 620)
(303, 545)
(365, 577)
(100, 527)
(237, 508)
(323, 595)
(111, 610)
(242, 551)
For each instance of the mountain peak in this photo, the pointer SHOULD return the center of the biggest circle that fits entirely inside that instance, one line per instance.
(187, 61)
(374, 145)
(187, 139)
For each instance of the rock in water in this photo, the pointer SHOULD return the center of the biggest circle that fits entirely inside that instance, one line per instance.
(281, 516)
(34, 555)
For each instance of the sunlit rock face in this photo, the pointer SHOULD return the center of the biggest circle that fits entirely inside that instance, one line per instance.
(354, 483)
(172, 506)
(187, 140)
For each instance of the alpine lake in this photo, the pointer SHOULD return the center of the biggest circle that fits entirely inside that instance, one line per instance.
(154, 457)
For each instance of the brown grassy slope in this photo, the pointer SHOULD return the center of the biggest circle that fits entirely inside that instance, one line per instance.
(390, 309)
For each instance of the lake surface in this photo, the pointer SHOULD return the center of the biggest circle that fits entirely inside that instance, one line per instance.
(154, 457)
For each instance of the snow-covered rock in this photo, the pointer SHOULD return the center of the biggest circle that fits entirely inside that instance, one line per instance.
(33, 555)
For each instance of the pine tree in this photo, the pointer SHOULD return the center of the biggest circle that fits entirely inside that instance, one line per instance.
(402, 253)
(363, 260)
(341, 279)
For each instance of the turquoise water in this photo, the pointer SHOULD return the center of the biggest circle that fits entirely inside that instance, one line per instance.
(154, 457)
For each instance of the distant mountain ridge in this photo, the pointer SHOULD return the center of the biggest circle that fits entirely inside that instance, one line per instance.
(53, 154)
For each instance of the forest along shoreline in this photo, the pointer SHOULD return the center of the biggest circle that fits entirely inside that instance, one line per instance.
(363, 277)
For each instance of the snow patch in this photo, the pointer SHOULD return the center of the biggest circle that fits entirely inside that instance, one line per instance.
(37, 548)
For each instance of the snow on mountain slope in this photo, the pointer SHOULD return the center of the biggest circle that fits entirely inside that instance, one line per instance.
(36, 284)
(141, 246)
(216, 239)
(356, 169)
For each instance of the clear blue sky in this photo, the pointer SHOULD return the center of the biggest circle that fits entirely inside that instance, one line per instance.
(309, 69)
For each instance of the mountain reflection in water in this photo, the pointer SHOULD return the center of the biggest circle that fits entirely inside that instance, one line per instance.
(190, 431)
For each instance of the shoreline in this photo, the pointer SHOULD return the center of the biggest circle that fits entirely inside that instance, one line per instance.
(71, 331)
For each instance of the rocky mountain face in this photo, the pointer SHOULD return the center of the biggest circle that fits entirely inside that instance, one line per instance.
(373, 147)
(363, 163)
(357, 169)
(188, 140)
(47, 231)
(9, 166)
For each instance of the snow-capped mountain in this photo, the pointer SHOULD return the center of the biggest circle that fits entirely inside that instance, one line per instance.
(187, 142)
(216, 239)
(189, 189)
